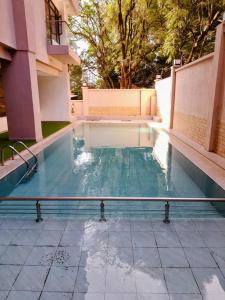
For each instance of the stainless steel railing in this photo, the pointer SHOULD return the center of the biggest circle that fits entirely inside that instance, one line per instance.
(102, 200)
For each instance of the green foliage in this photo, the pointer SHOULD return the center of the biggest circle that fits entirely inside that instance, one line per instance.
(48, 128)
(190, 27)
(76, 80)
(130, 41)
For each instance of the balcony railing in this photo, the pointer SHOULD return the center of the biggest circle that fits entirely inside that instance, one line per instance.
(59, 32)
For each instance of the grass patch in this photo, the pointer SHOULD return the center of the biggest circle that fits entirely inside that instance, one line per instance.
(48, 128)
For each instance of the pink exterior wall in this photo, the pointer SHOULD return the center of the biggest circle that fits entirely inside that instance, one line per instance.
(7, 26)
(22, 98)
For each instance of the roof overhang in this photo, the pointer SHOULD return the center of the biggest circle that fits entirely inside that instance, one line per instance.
(64, 54)
(5, 54)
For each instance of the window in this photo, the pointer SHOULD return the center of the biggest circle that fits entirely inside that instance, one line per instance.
(54, 22)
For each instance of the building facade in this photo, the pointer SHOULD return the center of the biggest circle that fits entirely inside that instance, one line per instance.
(36, 47)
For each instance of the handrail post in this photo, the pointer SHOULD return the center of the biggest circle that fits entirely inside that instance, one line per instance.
(102, 212)
(38, 210)
(167, 212)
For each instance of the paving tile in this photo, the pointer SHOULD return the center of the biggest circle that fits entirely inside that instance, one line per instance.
(120, 257)
(186, 297)
(206, 225)
(120, 239)
(200, 257)
(3, 295)
(25, 237)
(72, 238)
(15, 255)
(31, 278)
(184, 225)
(146, 257)
(167, 239)
(221, 224)
(77, 225)
(55, 224)
(32, 224)
(119, 296)
(147, 296)
(219, 256)
(6, 236)
(2, 250)
(61, 279)
(95, 239)
(17, 295)
(173, 258)
(161, 226)
(213, 238)
(180, 280)
(120, 280)
(49, 238)
(67, 256)
(223, 271)
(12, 224)
(119, 225)
(150, 280)
(88, 296)
(56, 296)
(41, 256)
(90, 280)
(143, 239)
(210, 281)
(93, 258)
(191, 239)
(141, 225)
(8, 275)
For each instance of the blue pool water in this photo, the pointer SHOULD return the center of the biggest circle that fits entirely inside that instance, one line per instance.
(114, 160)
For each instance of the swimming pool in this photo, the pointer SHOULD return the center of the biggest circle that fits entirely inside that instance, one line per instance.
(123, 160)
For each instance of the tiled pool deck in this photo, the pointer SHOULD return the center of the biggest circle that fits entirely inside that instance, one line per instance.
(118, 260)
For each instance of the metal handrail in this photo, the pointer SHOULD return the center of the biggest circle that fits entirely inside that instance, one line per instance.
(61, 21)
(12, 152)
(71, 38)
(138, 199)
(166, 200)
(28, 149)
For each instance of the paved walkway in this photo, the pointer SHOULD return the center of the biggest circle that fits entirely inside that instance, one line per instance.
(117, 260)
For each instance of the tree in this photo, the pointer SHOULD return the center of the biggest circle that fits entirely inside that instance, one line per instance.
(190, 27)
(76, 80)
(130, 41)
(91, 26)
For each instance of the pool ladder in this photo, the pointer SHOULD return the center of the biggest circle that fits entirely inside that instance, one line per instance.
(31, 168)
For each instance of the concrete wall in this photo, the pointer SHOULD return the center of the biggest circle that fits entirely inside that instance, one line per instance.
(116, 103)
(163, 93)
(55, 97)
(197, 100)
(192, 97)
(3, 124)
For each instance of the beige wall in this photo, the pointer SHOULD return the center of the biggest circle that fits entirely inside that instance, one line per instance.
(192, 98)
(3, 124)
(163, 92)
(54, 95)
(113, 102)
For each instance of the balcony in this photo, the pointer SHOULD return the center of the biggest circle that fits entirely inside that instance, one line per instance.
(61, 42)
